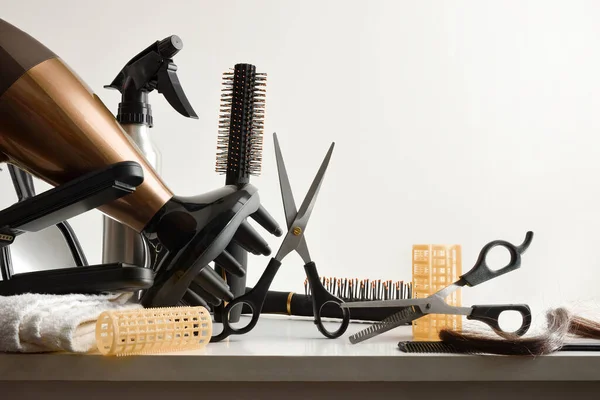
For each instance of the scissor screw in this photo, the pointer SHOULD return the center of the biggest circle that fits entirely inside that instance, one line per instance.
(428, 306)
(297, 231)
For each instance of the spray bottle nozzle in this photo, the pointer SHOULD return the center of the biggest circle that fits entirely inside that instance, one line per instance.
(153, 68)
(170, 46)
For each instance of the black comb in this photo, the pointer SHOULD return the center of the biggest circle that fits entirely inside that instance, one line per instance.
(441, 347)
(430, 347)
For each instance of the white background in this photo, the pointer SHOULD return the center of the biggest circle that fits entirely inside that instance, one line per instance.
(454, 122)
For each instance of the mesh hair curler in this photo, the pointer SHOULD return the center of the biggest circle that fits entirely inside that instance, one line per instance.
(153, 330)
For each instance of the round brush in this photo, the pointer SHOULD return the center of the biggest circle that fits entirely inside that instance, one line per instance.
(239, 155)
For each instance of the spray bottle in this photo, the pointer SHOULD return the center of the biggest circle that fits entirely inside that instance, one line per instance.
(151, 69)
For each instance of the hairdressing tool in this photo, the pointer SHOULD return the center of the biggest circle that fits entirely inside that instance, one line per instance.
(191, 299)
(435, 304)
(35, 213)
(441, 347)
(92, 279)
(363, 289)
(153, 330)
(433, 266)
(55, 127)
(25, 189)
(70, 199)
(298, 304)
(212, 283)
(294, 240)
(239, 151)
(153, 68)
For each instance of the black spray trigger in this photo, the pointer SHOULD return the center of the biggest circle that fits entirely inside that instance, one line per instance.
(169, 86)
(152, 68)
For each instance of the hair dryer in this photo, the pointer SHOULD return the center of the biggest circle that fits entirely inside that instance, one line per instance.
(55, 127)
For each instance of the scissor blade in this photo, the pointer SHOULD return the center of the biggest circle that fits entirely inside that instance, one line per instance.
(289, 206)
(405, 316)
(311, 197)
(384, 303)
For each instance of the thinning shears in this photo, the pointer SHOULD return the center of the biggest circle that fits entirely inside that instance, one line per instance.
(294, 241)
(436, 304)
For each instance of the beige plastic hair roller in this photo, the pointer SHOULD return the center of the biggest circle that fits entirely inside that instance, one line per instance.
(153, 330)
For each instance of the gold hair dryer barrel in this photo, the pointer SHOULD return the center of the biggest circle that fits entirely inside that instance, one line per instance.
(153, 330)
(53, 126)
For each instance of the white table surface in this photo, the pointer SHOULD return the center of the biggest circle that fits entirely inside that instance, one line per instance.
(284, 349)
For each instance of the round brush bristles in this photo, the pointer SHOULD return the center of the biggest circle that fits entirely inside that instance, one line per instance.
(241, 124)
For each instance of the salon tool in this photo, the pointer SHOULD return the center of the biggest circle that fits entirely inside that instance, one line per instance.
(239, 152)
(59, 204)
(204, 295)
(153, 330)
(212, 283)
(294, 240)
(153, 68)
(441, 347)
(298, 304)
(55, 127)
(435, 304)
(25, 189)
(363, 289)
(191, 299)
(433, 266)
(93, 279)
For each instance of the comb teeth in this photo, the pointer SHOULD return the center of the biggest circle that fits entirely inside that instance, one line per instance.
(430, 347)
(391, 322)
(241, 124)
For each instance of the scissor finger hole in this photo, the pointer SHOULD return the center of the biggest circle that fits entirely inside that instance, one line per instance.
(239, 316)
(332, 316)
(510, 321)
(217, 327)
(497, 258)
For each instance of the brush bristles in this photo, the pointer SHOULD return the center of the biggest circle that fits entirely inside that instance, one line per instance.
(241, 123)
(364, 289)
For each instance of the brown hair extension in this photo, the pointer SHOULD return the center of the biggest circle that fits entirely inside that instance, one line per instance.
(584, 328)
(548, 342)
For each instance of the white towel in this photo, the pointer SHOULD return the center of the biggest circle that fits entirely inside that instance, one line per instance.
(34, 323)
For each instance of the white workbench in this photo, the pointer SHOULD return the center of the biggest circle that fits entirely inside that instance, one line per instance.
(288, 358)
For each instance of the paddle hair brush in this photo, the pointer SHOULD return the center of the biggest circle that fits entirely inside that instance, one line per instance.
(352, 289)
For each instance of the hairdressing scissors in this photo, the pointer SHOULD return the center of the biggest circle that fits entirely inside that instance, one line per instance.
(294, 240)
(435, 304)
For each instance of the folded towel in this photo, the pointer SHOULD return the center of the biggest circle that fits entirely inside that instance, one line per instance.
(34, 323)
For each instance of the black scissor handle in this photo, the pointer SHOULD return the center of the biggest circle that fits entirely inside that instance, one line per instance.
(481, 272)
(320, 298)
(255, 299)
(489, 314)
